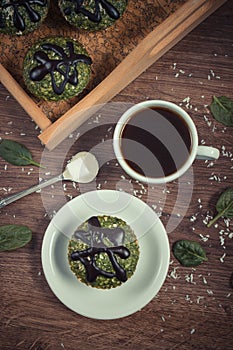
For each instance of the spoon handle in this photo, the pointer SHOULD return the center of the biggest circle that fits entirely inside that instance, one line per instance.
(14, 197)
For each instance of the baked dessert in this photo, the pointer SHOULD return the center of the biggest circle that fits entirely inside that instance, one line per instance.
(23, 16)
(92, 14)
(103, 252)
(56, 68)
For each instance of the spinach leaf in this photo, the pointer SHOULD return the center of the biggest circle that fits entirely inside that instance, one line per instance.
(222, 110)
(224, 206)
(189, 253)
(16, 153)
(14, 237)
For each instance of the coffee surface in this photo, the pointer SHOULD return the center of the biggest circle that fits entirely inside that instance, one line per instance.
(155, 142)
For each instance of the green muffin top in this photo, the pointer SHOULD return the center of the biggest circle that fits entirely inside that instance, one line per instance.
(56, 68)
(92, 14)
(22, 16)
(103, 252)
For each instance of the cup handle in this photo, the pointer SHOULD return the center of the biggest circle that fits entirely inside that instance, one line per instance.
(207, 153)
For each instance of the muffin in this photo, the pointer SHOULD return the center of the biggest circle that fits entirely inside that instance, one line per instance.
(22, 17)
(103, 252)
(92, 14)
(56, 68)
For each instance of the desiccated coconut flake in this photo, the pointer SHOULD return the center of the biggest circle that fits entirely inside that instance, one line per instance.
(186, 99)
(222, 258)
(173, 274)
(209, 291)
(189, 278)
(212, 72)
(193, 218)
(207, 218)
(203, 279)
(199, 298)
(187, 298)
(222, 240)
(227, 222)
(204, 238)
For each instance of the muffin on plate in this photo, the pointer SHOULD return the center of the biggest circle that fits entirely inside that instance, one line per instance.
(103, 252)
(56, 68)
(22, 17)
(92, 14)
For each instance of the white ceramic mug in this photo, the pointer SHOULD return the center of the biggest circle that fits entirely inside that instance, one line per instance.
(195, 151)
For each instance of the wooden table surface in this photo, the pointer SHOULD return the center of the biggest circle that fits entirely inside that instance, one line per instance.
(194, 308)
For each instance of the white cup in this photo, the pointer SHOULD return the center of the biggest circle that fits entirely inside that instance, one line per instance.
(195, 152)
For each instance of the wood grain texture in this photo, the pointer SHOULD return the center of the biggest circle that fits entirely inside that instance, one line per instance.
(193, 309)
(113, 44)
(151, 48)
(23, 99)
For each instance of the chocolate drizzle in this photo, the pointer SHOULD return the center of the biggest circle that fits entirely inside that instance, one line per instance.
(66, 66)
(96, 15)
(94, 237)
(18, 20)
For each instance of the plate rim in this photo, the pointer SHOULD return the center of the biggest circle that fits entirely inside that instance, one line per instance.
(52, 231)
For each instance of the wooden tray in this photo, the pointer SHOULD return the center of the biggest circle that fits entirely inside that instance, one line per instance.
(145, 32)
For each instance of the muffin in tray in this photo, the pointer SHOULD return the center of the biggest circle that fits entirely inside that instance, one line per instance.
(103, 252)
(56, 68)
(92, 14)
(23, 16)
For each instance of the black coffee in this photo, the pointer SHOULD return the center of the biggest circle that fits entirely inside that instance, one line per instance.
(155, 142)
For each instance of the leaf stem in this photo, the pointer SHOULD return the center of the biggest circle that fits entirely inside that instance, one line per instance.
(219, 103)
(211, 222)
(32, 162)
(203, 258)
(37, 164)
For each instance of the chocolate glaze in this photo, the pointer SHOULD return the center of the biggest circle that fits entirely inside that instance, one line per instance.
(62, 66)
(96, 16)
(18, 20)
(94, 237)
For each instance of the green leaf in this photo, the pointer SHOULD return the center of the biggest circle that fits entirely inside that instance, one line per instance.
(222, 110)
(189, 253)
(224, 206)
(14, 237)
(16, 153)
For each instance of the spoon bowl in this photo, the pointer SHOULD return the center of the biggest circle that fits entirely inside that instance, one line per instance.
(83, 168)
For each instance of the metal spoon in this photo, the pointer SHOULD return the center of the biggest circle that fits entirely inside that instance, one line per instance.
(83, 168)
